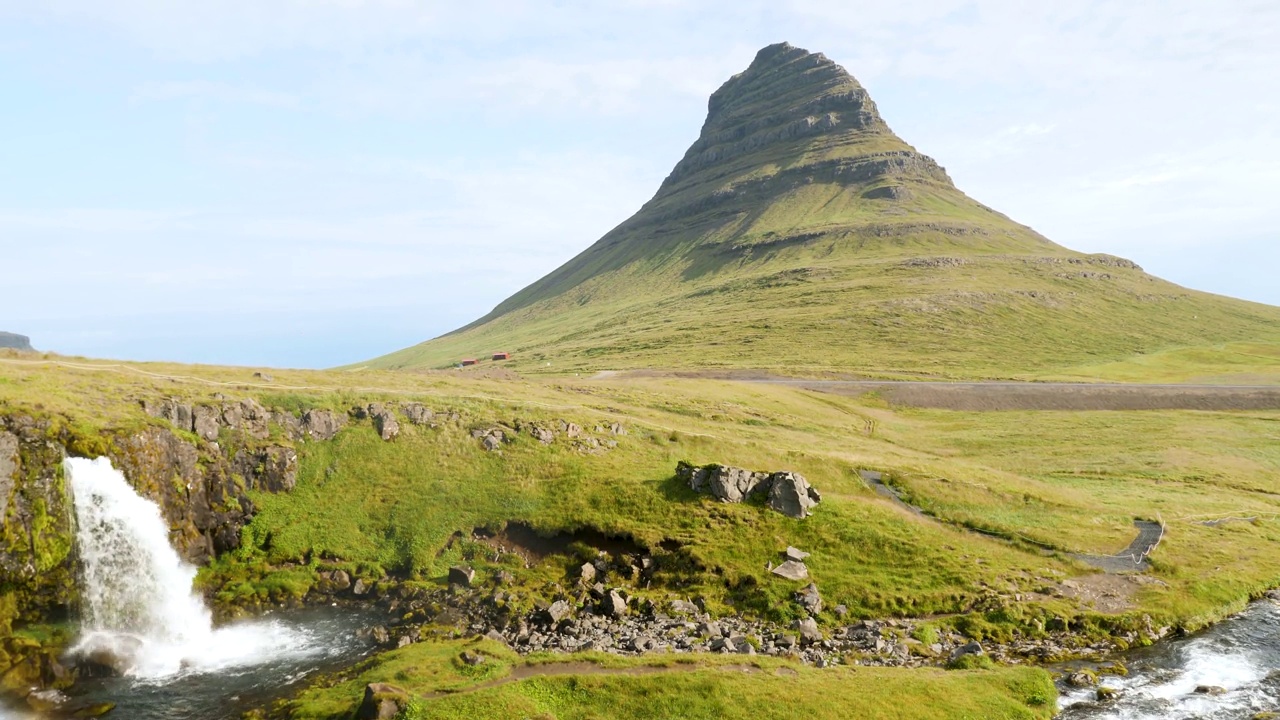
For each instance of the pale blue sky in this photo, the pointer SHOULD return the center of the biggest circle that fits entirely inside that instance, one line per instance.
(314, 183)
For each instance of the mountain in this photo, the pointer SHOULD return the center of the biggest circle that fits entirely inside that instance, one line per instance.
(800, 233)
(14, 341)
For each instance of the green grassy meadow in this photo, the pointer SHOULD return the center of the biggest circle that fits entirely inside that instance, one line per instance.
(663, 687)
(1045, 484)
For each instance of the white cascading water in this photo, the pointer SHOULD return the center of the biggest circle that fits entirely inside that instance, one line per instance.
(140, 613)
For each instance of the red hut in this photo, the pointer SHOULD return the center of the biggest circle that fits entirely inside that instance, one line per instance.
(502, 356)
(470, 361)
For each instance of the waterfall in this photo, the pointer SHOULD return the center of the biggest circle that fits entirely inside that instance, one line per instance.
(140, 615)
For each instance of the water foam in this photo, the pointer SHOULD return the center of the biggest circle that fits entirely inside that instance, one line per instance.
(141, 615)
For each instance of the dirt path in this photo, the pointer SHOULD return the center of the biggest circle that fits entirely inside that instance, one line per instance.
(977, 396)
(1132, 559)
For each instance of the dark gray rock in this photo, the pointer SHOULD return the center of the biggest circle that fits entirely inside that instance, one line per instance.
(1210, 690)
(684, 607)
(384, 421)
(557, 611)
(723, 644)
(382, 702)
(791, 495)
(730, 484)
(321, 424)
(254, 419)
(417, 413)
(8, 468)
(205, 421)
(14, 341)
(810, 599)
(973, 648)
(809, 632)
(614, 604)
(288, 423)
(461, 575)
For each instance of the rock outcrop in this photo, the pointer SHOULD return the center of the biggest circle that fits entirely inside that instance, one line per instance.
(787, 492)
(14, 341)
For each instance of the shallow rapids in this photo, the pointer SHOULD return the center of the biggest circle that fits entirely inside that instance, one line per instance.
(1239, 658)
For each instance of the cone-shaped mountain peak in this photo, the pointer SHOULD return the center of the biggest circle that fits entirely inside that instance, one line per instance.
(798, 231)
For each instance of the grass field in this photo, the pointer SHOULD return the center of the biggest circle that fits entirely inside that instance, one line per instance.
(1052, 483)
(707, 687)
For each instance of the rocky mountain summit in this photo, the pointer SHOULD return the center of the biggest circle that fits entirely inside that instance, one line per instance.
(801, 232)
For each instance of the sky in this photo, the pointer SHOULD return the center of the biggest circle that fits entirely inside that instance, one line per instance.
(309, 184)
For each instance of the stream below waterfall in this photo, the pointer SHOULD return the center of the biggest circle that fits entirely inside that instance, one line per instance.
(308, 642)
(141, 617)
(1238, 658)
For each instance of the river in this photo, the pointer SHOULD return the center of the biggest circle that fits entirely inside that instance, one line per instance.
(1240, 655)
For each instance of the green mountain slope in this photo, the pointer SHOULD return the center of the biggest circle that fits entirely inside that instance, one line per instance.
(800, 233)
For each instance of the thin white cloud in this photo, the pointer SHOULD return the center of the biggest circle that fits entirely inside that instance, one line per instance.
(213, 91)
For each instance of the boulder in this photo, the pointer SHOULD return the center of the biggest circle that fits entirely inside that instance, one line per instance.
(254, 419)
(792, 570)
(1082, 679)
(1106, 694)
(384, 421)
(340, 579)
(809, 599)
(469, 658)
(587, 573)
(788, 493)
(557, 611)
(723, 644)
(973, 648)
(382, 702)
(321, 424)
(791, 495)
(809, 632)
(614, 604)
(206, 421)
(684, 607)
(733, 485)
(461, 575)
(1210, 690)
(417, 413)
(796, 554)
